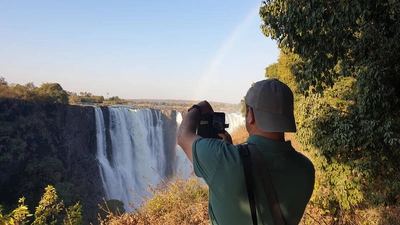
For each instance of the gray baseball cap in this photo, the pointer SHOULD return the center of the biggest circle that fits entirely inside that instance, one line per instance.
(272, 103)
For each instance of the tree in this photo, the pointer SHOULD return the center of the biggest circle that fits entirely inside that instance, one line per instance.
(21, 92)
(53, 92)
(3, 86)
(30, 86)
(17, 216)
(38, 174)
(49, 210)
(347, 65)
(355, 36)
(282, 70)
(3, 81)
(116, 100)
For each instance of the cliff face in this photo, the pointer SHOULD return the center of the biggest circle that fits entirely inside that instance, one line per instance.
(55, 144)
(78, 147)
(170, 128)
(48, 144)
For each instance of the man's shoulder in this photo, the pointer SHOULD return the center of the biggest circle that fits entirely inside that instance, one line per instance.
(216, 148)
(304, 159)
(212, 143)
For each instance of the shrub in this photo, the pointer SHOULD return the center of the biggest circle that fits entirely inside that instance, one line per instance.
(176, 201)
(49, 211)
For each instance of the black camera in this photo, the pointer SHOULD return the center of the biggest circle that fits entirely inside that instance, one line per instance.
(210, 125)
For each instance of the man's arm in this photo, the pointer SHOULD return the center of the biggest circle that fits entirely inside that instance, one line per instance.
(187, 130)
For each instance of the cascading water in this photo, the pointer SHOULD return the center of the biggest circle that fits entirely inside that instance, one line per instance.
(183, 165)
(234, 120)
(137, 150)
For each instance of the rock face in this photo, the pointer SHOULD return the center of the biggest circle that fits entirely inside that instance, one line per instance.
(78, 153)
(170, 128)
(32, 133)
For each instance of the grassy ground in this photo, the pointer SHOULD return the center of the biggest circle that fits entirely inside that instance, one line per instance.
(184, 202)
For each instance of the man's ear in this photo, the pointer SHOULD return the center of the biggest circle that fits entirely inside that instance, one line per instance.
(250, 116)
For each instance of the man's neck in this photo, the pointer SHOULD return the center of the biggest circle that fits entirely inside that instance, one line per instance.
(277, 136)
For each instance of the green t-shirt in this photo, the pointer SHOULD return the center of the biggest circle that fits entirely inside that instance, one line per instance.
(220, 165)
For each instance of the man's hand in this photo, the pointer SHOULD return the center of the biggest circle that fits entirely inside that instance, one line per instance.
(187, 130)
(205, 107)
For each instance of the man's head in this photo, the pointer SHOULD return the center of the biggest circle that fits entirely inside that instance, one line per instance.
(272, 104)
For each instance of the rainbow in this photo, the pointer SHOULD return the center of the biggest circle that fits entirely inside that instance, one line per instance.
(223, 50)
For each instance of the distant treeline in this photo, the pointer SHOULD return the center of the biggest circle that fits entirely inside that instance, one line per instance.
(181, 105)
(52, 93)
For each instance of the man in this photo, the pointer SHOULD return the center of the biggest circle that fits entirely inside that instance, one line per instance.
(269, 114)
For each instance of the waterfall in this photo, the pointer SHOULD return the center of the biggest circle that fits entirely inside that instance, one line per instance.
(183, 164)
(132, 155)
(137, 156)
(234, 120)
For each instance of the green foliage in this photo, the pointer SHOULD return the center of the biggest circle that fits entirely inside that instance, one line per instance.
(32, 136)
(243, 104)
(74, 215)
(23, 92)
(20, 131)
(17, 216)
(49, 210)
(328, 34)
(319, 31)
(3, 81)
(180, 105)
(65, 190)
(115, 100)
(38, 174)
(243, 110)
(53, 92)
(356, 164)
(282, 70)
(85, 97)
(346, 62)
(47, 93)
(26, 135)
(26, 92)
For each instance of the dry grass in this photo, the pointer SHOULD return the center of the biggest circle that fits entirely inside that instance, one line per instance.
(185, 202)
(176, 201)
(240, 135)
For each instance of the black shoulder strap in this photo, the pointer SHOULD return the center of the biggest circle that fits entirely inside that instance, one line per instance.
(262, 167)
(252, 154)
(248, 176)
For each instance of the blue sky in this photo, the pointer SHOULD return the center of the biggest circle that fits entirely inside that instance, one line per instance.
(187, 50)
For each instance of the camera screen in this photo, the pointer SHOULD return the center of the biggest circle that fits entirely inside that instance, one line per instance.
(211, 124)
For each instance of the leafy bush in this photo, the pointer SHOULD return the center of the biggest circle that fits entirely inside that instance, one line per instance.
(17, 216)
(356, 156)
(49, 211)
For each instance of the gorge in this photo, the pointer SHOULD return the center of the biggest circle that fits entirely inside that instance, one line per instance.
(88, 153)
